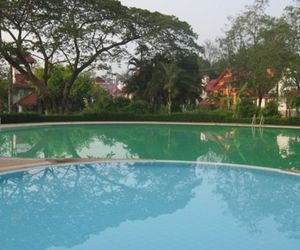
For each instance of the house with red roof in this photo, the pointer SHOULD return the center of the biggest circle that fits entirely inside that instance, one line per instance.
(112, 88)
(220, 89)
(222, 92)
(23, 95)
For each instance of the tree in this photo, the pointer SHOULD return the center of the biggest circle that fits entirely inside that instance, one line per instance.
(256, 47)
(152, 79)
(145, 80)
(292, 17)
(171, 75)
(290, 90)
(82, 91)
(212, 52)
(3, 93)
(81, 34)
(245, 29)
(4, 84)
(290, 82)
(189, 80)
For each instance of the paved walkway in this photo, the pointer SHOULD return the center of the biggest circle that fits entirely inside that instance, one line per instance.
(22, 125)
(12, 164)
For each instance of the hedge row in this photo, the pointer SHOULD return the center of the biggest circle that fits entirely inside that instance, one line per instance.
(175, 117)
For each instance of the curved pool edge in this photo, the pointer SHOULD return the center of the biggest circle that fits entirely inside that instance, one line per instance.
(23, 164)
(21, 125)
(29, 164)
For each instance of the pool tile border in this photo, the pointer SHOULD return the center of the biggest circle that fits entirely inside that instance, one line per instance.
(20, 125)
(40, 164)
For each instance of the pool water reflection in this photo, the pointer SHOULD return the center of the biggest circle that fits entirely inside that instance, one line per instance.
(146, 205)
(276, 148)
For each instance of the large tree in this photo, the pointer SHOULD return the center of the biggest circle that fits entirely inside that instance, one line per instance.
(292, 79)
(80, 33)
(165, 81)
(171, 75)
(257, 47)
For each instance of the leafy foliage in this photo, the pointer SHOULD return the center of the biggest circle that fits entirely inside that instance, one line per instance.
(162, 81)
(259, 48)
(246, 107)
(81, 34)
(3, 93)
(271, 109)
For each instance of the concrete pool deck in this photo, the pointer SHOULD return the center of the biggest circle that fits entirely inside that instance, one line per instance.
(14, 164)
(11, 164)
(24, 125)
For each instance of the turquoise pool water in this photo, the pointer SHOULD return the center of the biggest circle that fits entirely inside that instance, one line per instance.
(277, 148)
(146, 205)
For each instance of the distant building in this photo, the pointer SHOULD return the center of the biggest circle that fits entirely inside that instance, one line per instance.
(223, 91)
(289, 85)
(115, 89)
(216, 89)
(23, 95)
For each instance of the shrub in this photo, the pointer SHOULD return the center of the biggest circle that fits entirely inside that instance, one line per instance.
(163, 110)
(174, 117)
(246, 108)
(271, 109)
(139, 107)
(121, 102)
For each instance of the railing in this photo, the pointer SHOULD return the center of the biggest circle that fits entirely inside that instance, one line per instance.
(262, 121)
(253, 120)
(261, 125)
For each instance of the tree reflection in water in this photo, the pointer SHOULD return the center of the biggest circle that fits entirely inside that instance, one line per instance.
(273, 148)
(252, 196)
(63, 206)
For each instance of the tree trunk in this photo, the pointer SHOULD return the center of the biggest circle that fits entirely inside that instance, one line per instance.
(259, 102)
(47, 104)
(10, 85)
(169, 101)
(66, 93)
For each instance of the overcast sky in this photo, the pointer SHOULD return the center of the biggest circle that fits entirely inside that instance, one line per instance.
(207, 17)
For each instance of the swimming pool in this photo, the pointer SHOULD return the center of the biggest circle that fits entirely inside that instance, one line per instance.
(149, 205)
(268, 147)
(157, 187)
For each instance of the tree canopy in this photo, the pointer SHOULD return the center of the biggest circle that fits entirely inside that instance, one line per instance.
(81, 34)
(165, 81)
(259, 47)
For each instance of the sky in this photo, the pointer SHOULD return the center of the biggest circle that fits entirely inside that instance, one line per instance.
(207, 17)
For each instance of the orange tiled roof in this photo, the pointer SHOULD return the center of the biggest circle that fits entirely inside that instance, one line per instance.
(29, 100)
(215, 84)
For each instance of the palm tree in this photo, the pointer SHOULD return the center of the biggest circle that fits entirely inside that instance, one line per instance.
(239, 99)
(171, 74)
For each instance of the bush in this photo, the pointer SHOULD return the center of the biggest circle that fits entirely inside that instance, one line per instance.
(203, 108)
(163, 110)
(120, 102)
(246, 108)
(20, 118)
(138, 107)
(271, 109)
(174, 117)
